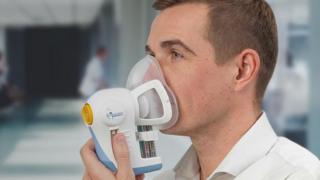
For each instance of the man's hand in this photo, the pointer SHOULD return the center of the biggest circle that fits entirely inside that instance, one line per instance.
(95, 170)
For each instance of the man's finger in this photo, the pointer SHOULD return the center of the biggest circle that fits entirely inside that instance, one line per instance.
(86, 176)
(121, 154)
(96, 170)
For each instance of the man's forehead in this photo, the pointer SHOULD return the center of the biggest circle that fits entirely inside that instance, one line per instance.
(184, 13)
(182, 21)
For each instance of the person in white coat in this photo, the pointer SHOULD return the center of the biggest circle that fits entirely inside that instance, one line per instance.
(4, 70)
(93, 78)
(5, 98)
(218, 57)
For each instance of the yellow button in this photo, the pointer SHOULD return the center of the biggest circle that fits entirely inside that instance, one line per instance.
(87, 114)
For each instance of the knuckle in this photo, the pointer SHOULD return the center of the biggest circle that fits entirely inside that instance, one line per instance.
(96, 175)
(123, 156)
(83, 150)
(126, 176)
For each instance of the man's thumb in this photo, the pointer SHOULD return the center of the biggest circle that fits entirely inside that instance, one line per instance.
(121, 154)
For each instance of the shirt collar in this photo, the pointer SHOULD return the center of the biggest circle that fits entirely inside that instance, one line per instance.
(188, 166)
(252, 146)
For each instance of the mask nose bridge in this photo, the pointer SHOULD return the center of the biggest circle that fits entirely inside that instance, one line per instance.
(160, 63)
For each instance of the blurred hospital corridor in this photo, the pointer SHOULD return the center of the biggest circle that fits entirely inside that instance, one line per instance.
(41, 140)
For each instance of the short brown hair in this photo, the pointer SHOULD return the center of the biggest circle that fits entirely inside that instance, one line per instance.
(235, 25)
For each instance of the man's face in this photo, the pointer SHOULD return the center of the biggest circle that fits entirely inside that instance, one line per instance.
(178, 41)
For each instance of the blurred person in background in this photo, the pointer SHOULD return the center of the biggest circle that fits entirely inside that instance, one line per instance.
(4, 70)
(93, 78)
(287, 103)
(218, 57)
(295, 87)
(9, 93)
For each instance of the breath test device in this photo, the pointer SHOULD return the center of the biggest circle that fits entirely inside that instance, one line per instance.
(138, 111)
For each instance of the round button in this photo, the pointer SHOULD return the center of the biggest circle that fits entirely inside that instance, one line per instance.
(87, 114)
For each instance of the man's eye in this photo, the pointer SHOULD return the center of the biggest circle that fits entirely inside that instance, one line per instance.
(176, 55)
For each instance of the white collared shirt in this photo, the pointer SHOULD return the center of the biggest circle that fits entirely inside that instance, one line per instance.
(259, 154)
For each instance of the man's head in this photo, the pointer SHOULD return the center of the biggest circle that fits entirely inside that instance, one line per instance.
(217, 55)
(101, 53)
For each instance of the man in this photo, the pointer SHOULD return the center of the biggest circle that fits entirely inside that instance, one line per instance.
(93, 78)
(3, 71)
(5, 99)
(218, 57)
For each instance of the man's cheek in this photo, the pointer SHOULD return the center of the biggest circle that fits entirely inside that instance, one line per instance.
(177, 88)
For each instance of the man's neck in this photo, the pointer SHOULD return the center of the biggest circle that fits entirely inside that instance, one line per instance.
(215, 141)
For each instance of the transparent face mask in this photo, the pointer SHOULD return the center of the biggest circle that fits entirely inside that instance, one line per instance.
(150, 104)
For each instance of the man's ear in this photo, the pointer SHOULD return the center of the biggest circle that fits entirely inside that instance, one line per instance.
(247, 65)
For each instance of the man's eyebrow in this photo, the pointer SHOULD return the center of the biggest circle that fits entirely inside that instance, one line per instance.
(170, 43)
